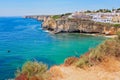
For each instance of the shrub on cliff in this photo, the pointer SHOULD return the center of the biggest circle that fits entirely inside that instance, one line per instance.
(82, 62)
(70, 61)
(32, 70)
(110, 47)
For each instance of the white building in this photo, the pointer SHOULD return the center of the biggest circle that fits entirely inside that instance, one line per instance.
(97, 17)
(79, 15)
(104, 17)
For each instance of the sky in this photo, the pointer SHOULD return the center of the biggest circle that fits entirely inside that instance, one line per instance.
(46, 7)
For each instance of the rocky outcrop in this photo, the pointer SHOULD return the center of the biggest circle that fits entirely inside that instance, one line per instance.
(78, 25)
(49, 24)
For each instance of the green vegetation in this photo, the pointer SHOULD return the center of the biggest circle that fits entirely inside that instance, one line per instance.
(110, 47)
(118, 9)
(116, 25)
(67, 14)
(56, 16)
(32, 70)
(103, 10)
(83, 61)
(107, 24)
(88, 11)
(70, 61)
(60, 16)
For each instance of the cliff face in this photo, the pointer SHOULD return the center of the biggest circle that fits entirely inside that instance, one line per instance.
(78, 25)
(49, 24)
(75, 25)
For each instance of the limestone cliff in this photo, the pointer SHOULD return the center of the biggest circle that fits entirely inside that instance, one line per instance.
(78, 25)
(67, 25)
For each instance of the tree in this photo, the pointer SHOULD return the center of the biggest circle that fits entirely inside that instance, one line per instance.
(88, 11)
(118, 9)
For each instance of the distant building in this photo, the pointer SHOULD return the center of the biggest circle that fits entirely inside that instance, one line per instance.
(110, 17)
(106, 17)
(80, 15)
(99, 17)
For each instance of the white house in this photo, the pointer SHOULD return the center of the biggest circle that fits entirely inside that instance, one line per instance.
(104, 17)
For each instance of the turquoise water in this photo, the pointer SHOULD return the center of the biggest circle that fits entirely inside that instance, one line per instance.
(23, 39)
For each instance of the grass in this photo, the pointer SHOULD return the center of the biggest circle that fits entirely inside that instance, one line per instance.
(56, 17)
(61, 15)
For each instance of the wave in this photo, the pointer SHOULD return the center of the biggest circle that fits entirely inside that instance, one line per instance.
(46, 31)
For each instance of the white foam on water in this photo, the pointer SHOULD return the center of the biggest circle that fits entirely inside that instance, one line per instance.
(46, 31)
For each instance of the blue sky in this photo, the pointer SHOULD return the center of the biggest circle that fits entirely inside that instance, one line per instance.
(34, 7)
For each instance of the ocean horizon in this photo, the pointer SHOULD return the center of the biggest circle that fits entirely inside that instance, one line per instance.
(23, 39)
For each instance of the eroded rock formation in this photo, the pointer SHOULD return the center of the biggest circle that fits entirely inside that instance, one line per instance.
(78, 25)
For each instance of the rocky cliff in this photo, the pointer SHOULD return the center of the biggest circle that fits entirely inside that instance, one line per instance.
(79, 26)
(67, 25)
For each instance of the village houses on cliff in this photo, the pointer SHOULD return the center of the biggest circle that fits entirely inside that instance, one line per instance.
(109, 17)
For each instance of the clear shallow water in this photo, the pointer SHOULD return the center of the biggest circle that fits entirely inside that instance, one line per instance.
(27, 41)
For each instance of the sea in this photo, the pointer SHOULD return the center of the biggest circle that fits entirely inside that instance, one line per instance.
(23, 40)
